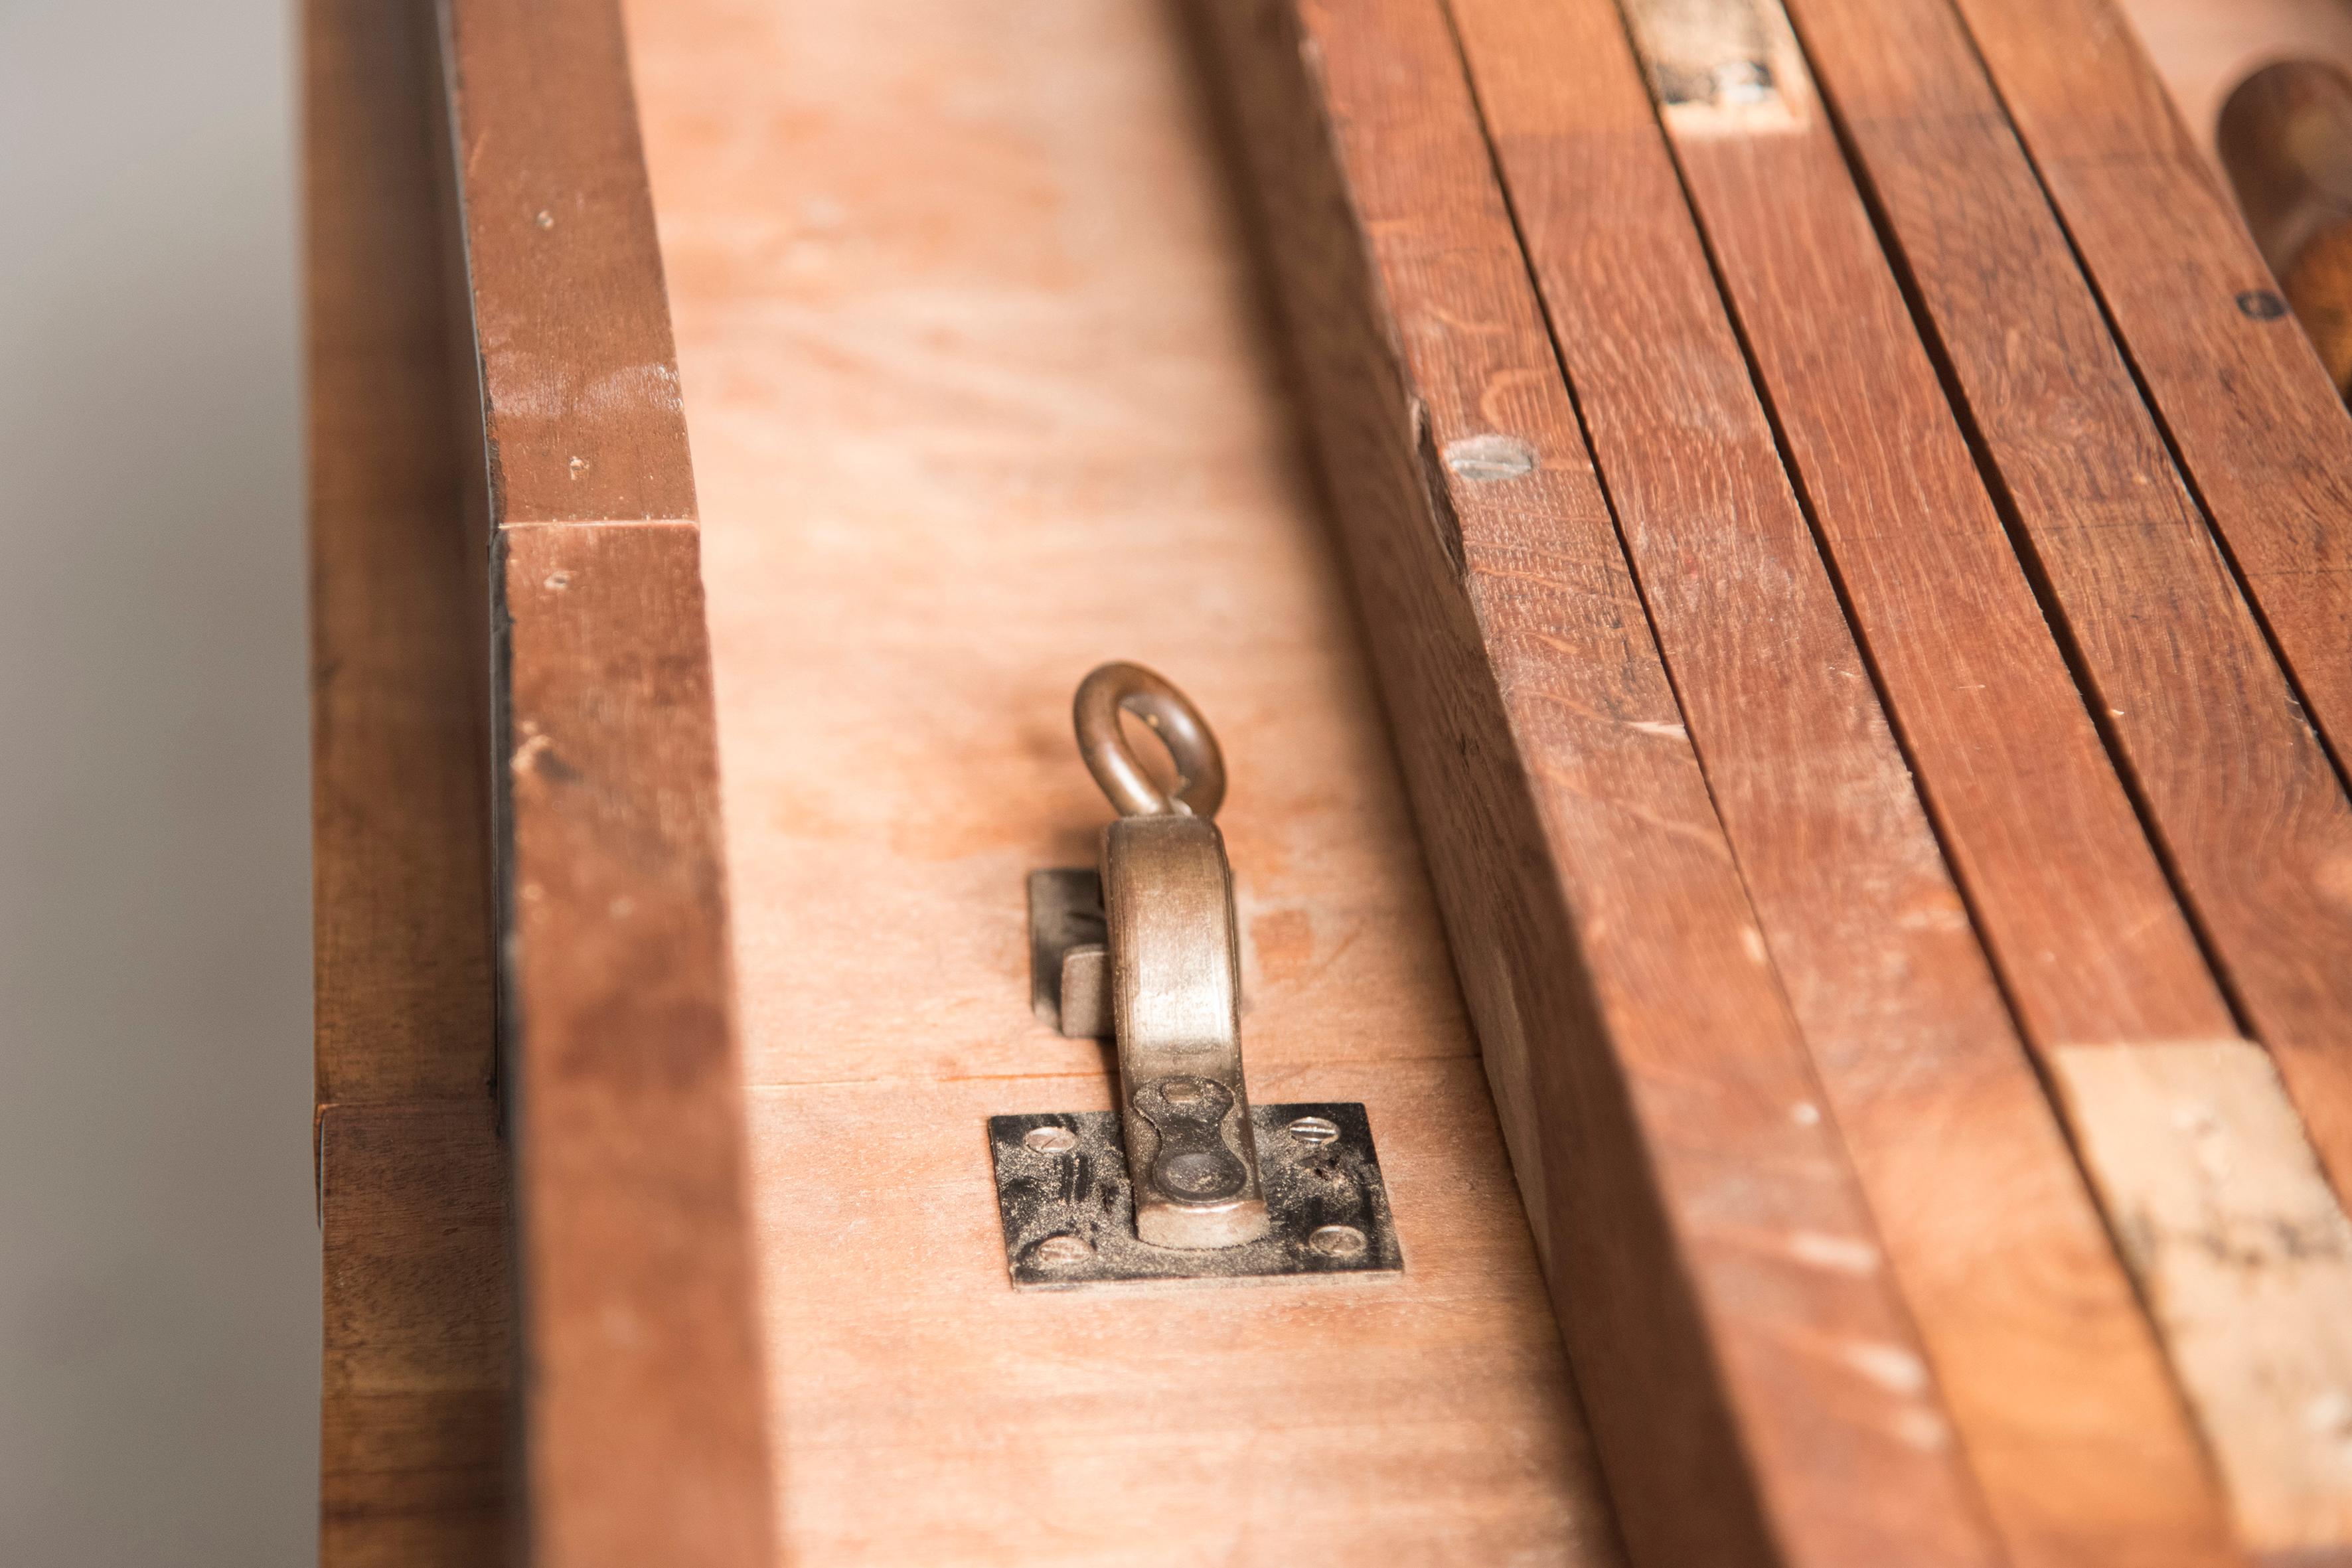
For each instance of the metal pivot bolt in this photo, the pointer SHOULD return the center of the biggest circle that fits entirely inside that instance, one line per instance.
(1171, 970)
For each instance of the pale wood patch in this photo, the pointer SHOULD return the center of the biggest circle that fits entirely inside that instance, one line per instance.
(2244, 1257)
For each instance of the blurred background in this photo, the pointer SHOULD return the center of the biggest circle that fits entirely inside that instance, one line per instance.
(159, 1291)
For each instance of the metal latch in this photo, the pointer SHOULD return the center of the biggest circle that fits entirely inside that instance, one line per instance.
(1145, 949)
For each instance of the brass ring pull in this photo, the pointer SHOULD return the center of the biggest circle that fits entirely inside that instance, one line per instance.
(1200, 766)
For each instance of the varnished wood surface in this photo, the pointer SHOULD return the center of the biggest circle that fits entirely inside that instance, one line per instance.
(2260, 433)
(2062, 1398)
(2230, 777)
(1659, 1100)
(411, 1184)
(643, 1431)
(978, 400)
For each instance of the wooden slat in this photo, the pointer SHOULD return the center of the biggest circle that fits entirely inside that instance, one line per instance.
(2262, 434)
(2061, 1395)
(413, 1451)
(2238, 793)
(2060, 875)
(2247, 1261)
(644, 1427)
(646, 1433)
(412, 1184)
(1700, 1218)
(400, 739)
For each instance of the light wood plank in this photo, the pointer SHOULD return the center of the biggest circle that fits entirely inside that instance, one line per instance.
(2247, 1261)
(948, 463)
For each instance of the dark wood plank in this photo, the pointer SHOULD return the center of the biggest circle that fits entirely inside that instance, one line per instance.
(644, 1400)
(2061, 1395)
(2232, 782)
(2262, 434)
(580, 402)
(400, 735)
(1688, 1193)
(414, 1452)
(412, 1182)
(644, 1390)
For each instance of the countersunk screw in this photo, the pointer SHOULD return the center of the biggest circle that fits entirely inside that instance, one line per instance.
(1339, 1241)
(1314, 1131)
(1051, 1139)
(1062, 1249)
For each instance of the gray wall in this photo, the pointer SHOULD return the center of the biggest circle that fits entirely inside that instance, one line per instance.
(159, 1293)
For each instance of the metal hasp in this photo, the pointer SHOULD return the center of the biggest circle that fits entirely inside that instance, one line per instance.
(1147, 952)
(1064, 1196)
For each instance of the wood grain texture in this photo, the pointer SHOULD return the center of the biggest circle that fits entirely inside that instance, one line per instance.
(979, 401)
(644, 1432)
(2231, 781)
(1687, 1186)
(2063, 884)
(413, 1450)
(2262, 434)
(411, 1184)
(2247, 1258)
(646, 1436)
(2060, 1393)
(400, 741)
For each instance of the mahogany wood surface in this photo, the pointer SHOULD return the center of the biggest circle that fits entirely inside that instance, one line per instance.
(1665, 1121)
(644, 1432)
(978, 400)
(2236, 786)
(2262, 434)
(413, 1464)
(2062, 1397)
(412, 1186)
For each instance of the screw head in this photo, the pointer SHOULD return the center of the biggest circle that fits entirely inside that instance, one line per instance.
(1339, 1241)
(1050, 1139)
(1063, 1250)
(1314, 1131)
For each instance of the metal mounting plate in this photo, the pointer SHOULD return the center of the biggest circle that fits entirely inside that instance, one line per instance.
(1063, 1192)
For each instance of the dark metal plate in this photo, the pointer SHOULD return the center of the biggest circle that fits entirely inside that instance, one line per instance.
(1062, 1189)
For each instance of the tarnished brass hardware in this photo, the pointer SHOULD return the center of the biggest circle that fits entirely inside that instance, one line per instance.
(1145, 949)
(1114, 688)
(1171, 968)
